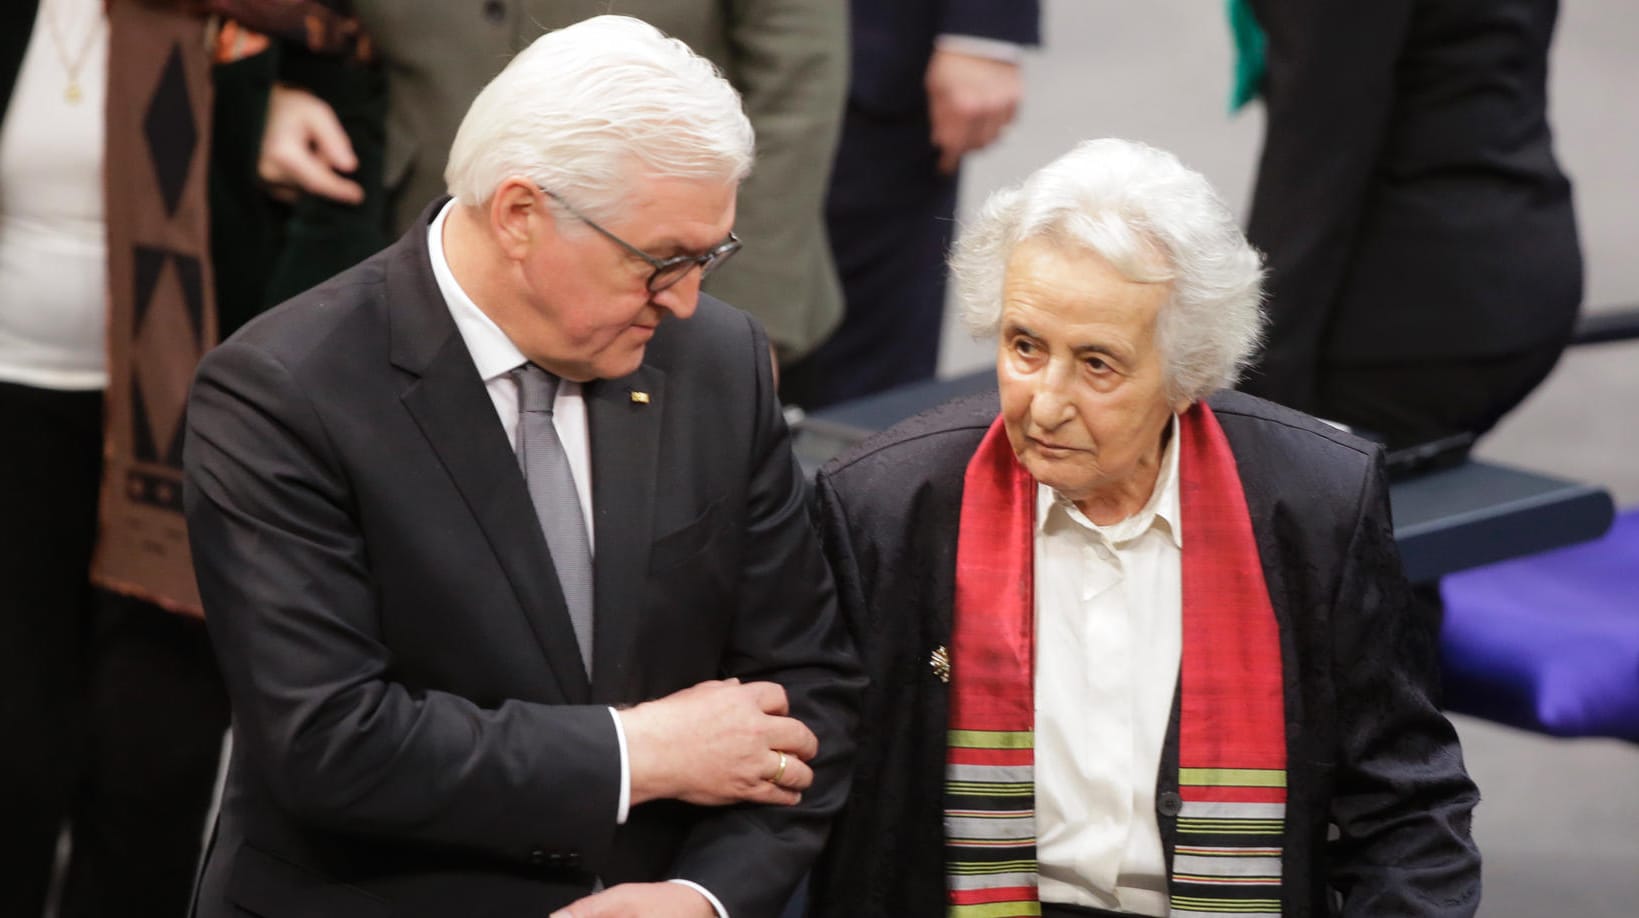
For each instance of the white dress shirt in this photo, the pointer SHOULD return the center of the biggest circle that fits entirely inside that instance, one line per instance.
(995, 49)
(495, 356)
(1108, 642)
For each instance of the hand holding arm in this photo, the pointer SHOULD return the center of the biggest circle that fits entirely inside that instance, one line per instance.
(718, 743)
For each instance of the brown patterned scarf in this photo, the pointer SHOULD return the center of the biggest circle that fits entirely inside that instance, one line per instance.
(162, 304)
(162, 311)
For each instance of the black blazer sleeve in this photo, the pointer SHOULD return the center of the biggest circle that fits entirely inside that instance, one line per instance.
(753, 857)
(1401, 799)
(1329, 98)
(283, 569)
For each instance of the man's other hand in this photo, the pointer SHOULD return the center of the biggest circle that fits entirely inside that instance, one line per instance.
(970, 100)
(305, 149)
(718, 743)
(640, 900)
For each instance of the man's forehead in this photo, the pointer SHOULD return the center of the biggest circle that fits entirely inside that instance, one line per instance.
(684, 214)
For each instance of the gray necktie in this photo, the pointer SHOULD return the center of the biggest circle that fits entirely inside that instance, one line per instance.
(557, 505)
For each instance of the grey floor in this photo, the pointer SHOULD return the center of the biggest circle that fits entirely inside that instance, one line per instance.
(1559, 825)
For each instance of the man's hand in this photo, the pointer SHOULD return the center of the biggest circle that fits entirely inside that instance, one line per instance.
(305, 148)
(970, 100)
(640, 900)
(718, 743)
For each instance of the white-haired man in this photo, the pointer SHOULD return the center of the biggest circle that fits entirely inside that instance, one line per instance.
(488, 537)
(1132, 650)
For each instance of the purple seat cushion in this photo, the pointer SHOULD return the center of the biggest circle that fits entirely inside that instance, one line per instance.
(1549, 642)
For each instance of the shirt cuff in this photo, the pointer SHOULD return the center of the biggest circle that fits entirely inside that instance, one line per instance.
(625, 804)
(993, 48)
(715, 905)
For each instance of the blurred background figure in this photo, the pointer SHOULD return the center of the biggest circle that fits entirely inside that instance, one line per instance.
(1424, 269)
(786, 57)
(932, 81)
(116, 151)
(1424, 264)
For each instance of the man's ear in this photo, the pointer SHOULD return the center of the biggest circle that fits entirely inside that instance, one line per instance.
(518, 216)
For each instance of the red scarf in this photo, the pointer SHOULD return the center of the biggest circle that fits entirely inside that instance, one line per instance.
(1232, 746)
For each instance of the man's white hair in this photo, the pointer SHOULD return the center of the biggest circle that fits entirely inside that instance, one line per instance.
(585, 109)
(1154, 220)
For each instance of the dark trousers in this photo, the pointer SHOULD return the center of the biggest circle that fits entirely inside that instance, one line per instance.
(1414, 402)
(112, 709)
(890, 215)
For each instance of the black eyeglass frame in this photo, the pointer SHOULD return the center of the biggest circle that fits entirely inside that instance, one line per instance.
(658, 281)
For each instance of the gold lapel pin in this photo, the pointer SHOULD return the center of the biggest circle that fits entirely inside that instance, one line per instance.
(640, 398)
(940, 661)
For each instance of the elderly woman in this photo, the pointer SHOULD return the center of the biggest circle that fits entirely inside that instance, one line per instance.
(1133, 650)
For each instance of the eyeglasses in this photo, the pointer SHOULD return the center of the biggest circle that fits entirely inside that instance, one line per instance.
(667, 271)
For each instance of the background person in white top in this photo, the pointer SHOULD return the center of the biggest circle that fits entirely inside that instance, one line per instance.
(111, 710)
(1143, 543)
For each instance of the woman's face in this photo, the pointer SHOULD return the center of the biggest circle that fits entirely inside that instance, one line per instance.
(1082, 384)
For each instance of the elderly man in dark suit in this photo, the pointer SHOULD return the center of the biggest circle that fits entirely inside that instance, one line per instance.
(507, 566)
(1133, 651)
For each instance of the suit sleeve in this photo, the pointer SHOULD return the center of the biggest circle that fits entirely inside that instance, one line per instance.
(1402, 801)
(786, 630)
(1329, 97)
(291, 605)
(836, 886)
(1016, 21)
(789, 60)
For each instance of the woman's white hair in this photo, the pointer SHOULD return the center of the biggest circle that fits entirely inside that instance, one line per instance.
(585, 109)
(1154, 220)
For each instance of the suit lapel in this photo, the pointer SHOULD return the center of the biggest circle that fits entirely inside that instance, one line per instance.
(451, 406)
(625, 435)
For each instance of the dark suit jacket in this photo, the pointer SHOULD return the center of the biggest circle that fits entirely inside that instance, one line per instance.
(414, 733)
(1408, 197)
(1367, 751)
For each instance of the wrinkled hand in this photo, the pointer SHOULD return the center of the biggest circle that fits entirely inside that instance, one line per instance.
(970, 100)
(640, 900)
(305, 148)
(718, 743)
